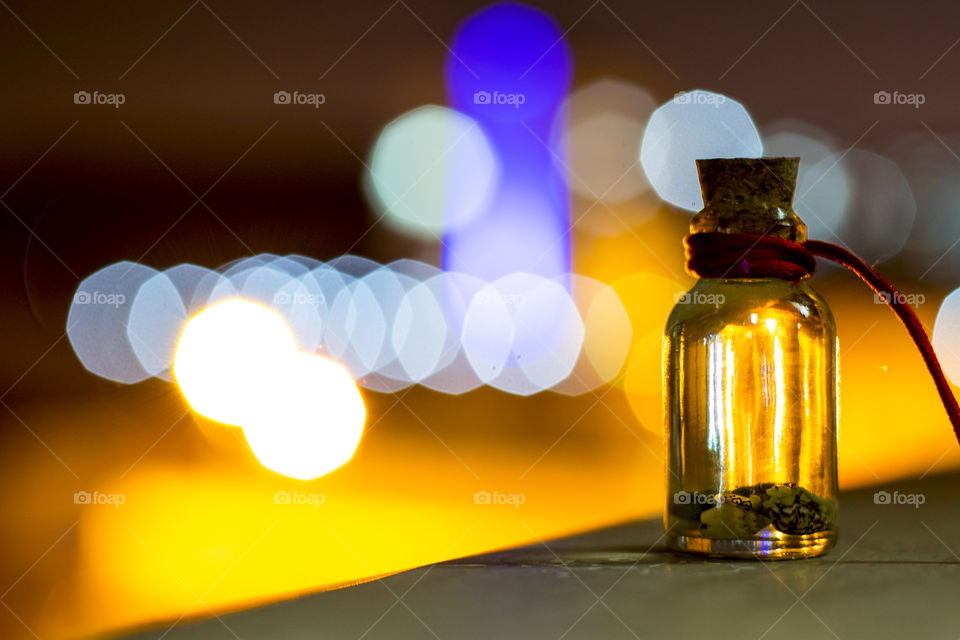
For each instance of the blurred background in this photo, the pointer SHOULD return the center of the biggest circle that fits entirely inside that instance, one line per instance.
(201, 164)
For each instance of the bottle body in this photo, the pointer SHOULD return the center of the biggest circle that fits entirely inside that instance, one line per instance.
(750, 393)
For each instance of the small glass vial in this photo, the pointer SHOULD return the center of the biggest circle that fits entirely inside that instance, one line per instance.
(750, 389)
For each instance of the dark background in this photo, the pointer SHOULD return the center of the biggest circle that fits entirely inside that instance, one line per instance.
(85, 186)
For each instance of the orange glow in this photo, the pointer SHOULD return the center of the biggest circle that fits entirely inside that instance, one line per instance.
(218, 536)
(649, 299)
(201, 518)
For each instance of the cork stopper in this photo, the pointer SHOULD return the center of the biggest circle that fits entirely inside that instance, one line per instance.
(749, 195)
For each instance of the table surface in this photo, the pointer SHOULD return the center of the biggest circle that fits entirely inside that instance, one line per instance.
(894, 573)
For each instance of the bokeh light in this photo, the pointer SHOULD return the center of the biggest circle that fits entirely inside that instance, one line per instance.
(694, 125)
(390, 326)
(946, 336)
(824, 186)
(880, 211)
(601, 127)
(157, 316)
(356, 332)
(388, 288)
(606, 338)
(932, 170)
(648, 298)
(189, 279)
(225, 355)
(431, 169)
(313, 420)
(420, 330)
(509, 69)
(523, 333)
(454, 373)
(98, 319)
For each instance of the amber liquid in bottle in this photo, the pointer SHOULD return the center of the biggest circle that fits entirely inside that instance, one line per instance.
(750, 393)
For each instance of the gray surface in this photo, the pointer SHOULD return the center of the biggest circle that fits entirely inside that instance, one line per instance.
(895, 573)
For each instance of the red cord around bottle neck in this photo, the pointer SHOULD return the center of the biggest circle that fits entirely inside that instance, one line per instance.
(745, 255)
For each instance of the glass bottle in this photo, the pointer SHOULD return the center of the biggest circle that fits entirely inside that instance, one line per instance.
(750, 389)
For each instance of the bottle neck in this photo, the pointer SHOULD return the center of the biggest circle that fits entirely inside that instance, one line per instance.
(777, 222)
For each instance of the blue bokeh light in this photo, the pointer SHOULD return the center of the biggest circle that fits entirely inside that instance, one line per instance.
(510, 69)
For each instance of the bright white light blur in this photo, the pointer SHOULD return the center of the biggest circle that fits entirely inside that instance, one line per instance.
(278, 286)
(312, 422)
(522, 333)
(454, 374)
(548, 330)
(419, 333)
(388, 326)
(356, 329)
(487, 333)
(188, 278)
(694, 125)
(225, 356)
(432, 170)
(946, 336)
(260, 284)
(301, 309)
(212, 288)
(156, 318)
(98, 319)
(323, 284)
(388, 289)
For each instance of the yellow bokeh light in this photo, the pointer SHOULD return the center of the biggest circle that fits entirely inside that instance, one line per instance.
(224, 355)
(311, 422)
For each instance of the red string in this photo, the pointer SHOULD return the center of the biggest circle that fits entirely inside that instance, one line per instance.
(744, 255)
